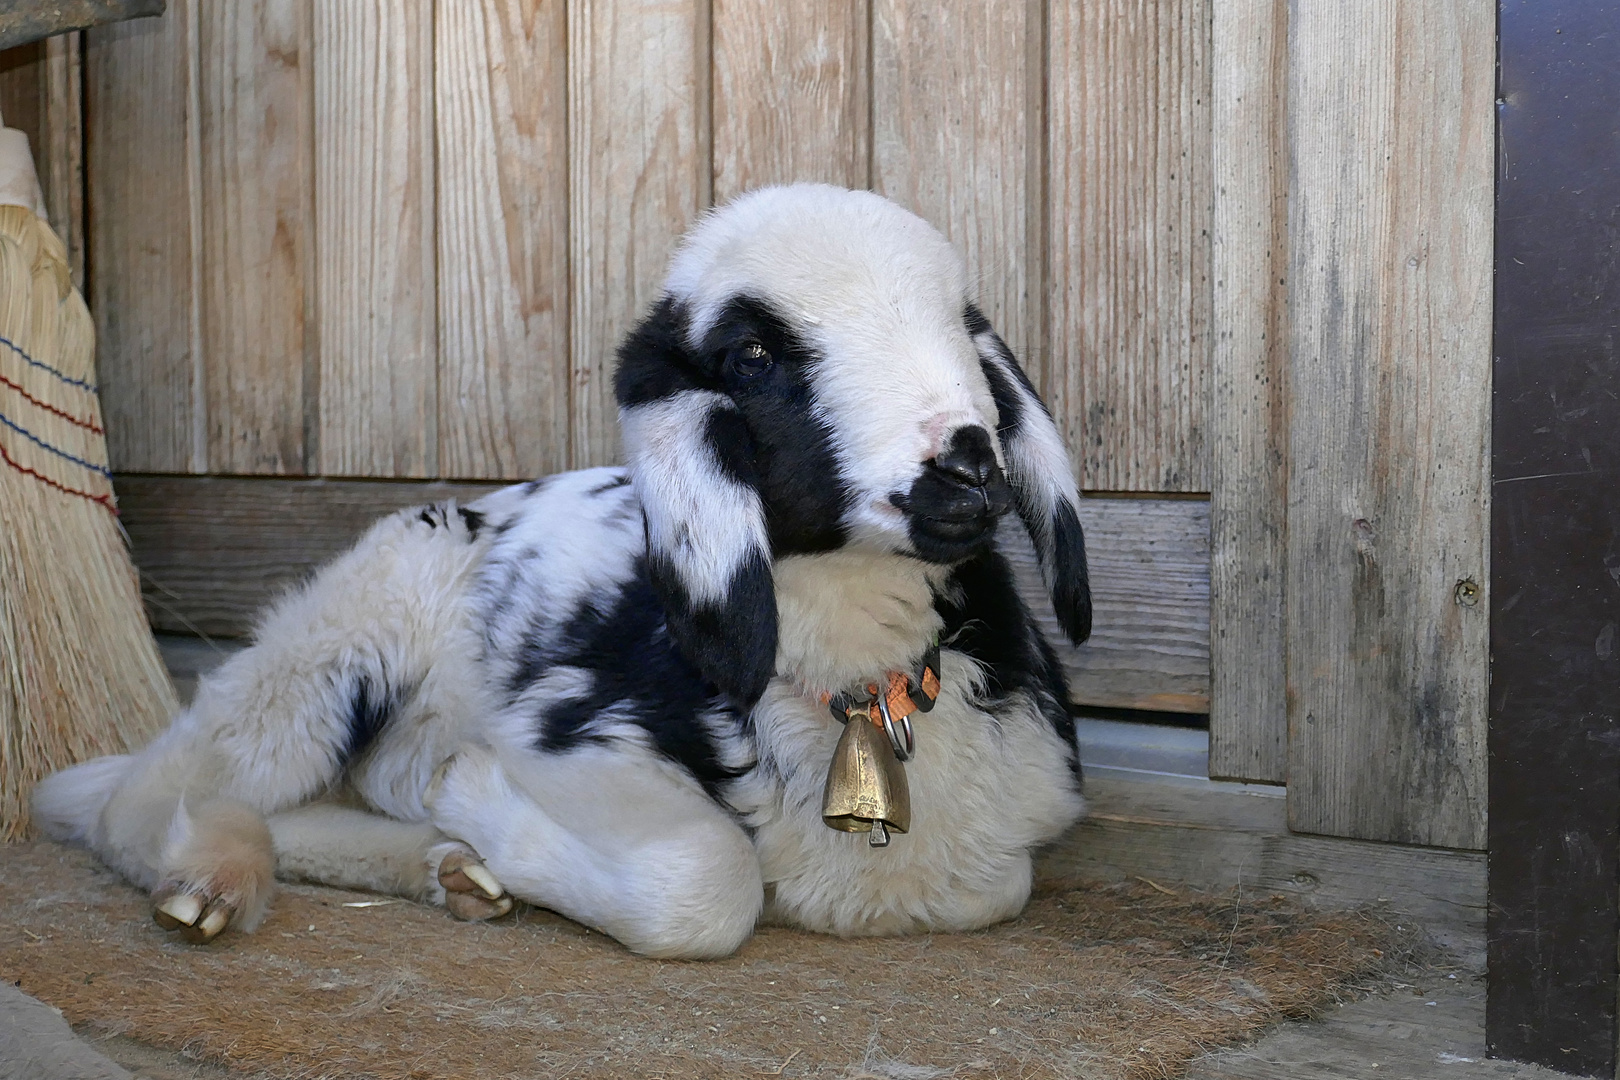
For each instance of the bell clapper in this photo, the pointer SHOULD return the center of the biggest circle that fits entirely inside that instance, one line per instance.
(879, 834)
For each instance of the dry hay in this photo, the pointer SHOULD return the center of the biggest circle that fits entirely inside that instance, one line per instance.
(1095, 981)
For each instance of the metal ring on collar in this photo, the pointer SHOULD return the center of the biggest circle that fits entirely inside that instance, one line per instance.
(903, 747)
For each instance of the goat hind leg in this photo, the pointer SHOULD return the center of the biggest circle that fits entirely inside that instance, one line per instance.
(347, 847)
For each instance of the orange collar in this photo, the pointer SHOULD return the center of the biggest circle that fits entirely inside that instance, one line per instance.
(905, 694)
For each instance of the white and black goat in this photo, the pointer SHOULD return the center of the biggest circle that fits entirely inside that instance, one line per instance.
(604, 692)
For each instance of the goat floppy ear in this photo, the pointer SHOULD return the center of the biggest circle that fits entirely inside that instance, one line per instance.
(1042, 480)
(708, 549)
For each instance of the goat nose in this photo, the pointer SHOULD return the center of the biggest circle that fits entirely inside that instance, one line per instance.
(969, 459)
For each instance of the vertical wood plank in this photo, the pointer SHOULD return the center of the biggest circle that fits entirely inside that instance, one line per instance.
(60, 151)
(639, 166)
(374, 244)
(1129, 83)
(1248, 419)
(22, 84)
(1390, 127)
(954, 139)
(141, 179)
(500, 75)
(41, 95)
(791, 94)
(255, 146)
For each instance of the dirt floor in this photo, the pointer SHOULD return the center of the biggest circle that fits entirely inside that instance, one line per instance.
(1096, 981)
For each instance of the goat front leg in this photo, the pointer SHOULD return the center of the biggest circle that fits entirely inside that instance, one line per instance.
(607, 836)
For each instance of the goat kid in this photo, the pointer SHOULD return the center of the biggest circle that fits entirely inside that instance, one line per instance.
(604, 692)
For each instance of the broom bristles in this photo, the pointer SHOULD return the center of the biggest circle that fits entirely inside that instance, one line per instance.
(80, 674)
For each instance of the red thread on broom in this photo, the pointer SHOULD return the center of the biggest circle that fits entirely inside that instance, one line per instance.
(69, 417)
(104, 500)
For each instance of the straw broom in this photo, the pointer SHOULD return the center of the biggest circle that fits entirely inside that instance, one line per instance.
(80, 673)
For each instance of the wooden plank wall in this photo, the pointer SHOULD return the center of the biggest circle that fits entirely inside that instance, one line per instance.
(387, 240)
(1248, 409)
(378, 238)
(1391, 122)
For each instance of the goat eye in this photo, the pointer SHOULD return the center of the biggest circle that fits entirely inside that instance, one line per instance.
(748, 359)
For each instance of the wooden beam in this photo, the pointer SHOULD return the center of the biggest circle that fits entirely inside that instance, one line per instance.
(213, 551)
(22, 23)
(1555, 557)
(1390, 110)
(1248, 412)
(1149, 647)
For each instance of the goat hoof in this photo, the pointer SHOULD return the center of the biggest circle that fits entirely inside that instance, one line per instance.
(471, 892)
(198, 919)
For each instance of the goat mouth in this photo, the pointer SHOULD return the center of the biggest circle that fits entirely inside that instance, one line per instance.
(952, 524)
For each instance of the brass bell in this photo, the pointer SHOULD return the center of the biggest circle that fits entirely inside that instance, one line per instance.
(866, 784)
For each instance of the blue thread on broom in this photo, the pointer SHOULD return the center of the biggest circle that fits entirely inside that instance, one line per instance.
(70, 380)
(25, 433)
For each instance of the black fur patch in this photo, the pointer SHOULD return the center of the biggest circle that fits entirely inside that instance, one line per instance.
(986, 619)
(774, 441)
(612, 485)
(783, 448)
(653, 360)
(1071, 589)
(634, 665)
(975, 320)
(952, 506)
(472, 519)
(371, 707)
(733, 643)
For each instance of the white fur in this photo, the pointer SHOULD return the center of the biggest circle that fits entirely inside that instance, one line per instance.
(446, 625)
(669, 431)
(882, 296)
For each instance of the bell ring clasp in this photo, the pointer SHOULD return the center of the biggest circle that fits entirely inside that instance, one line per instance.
(898, 731)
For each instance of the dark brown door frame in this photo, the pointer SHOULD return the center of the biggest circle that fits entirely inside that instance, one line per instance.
(1554, 919)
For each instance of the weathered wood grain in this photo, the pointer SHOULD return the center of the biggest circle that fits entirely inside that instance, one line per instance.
(374, 247)
(1129, 203)
(1149, 562)
(255, 148)
(500, 82)
(791, 94)
(59, 150)
(21, 23)
(22, 85)
(956, 138)
(141, 166)
(1248, 382)
(41, 95)
(212, 551)
(639, 168)
(1390, 127)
